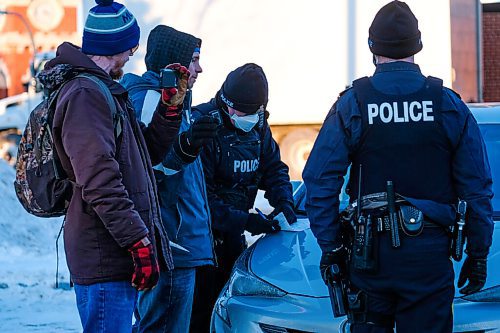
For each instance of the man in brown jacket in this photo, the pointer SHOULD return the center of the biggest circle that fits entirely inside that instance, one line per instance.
(113, 224)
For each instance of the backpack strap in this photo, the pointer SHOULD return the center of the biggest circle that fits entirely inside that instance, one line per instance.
(103, 88)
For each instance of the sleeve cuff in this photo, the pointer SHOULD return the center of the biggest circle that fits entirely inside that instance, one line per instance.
(172, 113)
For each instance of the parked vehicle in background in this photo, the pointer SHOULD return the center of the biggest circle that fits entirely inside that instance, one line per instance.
(276, 285)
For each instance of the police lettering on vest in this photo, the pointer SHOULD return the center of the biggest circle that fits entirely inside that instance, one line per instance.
(398, 112)
(246, 165)
(400, 135)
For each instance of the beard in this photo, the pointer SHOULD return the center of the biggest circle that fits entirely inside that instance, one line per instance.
(116, 74)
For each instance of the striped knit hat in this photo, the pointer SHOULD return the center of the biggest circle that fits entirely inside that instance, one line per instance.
(110, 29)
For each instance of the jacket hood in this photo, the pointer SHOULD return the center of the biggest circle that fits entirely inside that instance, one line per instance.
(167, 46)
(69, 62)
(53, 77)
(138, 85)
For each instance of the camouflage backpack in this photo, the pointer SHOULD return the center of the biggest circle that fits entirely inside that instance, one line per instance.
(41, 185)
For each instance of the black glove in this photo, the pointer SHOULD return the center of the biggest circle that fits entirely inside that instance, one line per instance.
(336, 257)
(257, 224)
(287, 209)
(202, 132)
(473, 270)
(189, 143)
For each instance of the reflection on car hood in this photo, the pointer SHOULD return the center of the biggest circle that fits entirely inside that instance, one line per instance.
(290, 261)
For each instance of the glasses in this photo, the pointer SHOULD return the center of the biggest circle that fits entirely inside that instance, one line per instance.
(133, 50)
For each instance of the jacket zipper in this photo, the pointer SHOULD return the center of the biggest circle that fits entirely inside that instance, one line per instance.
(205, 196)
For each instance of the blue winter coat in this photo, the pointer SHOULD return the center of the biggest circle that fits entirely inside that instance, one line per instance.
(183, 198)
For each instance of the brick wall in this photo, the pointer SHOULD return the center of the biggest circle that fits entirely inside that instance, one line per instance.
(464, 48)
(491, 53)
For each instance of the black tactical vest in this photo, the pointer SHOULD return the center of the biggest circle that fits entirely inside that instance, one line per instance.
(237, 169)
(403, 141)
(238, 153)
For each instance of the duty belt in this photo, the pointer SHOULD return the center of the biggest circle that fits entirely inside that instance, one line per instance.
(383, 224)
(372, 202)
(375, 204)
(380, 212)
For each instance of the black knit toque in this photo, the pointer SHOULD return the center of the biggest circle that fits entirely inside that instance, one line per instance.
(394, 32)
(167, 46)
(245, 89)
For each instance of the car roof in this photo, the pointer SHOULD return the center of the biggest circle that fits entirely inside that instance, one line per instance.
(486, 113)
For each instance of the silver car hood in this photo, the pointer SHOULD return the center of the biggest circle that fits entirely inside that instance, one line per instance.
(290, 261)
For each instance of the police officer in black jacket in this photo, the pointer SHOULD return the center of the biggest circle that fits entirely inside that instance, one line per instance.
(242, 159)
(406, 128)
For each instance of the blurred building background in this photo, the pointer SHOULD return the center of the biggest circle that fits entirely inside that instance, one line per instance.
(318, 46)
(491, 52)
(25, 24)
(475, 35)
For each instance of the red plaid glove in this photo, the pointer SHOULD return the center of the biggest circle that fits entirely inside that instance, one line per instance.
(146, 269)
(173, 98)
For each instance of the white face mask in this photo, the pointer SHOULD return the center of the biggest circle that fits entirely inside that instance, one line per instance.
(245, 123)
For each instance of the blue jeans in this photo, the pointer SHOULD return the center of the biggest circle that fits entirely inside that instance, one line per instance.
(167, 307)
(106, 307)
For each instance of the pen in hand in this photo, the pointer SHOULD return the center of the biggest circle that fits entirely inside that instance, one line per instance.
(274, 223)
(261, 214)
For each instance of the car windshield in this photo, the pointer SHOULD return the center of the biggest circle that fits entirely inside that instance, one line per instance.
(491, 135)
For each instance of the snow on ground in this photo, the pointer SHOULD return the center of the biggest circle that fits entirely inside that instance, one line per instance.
(28, 300)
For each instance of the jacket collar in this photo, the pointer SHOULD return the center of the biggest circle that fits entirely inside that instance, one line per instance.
(72, 55)
(397, 66)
